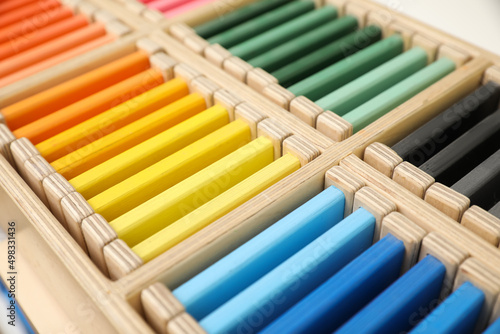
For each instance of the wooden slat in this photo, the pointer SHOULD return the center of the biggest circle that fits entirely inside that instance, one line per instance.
(259, 79)
(164, 64)
(208, 12)
(474, 271)
(186, 73)
(205, 88)
(428, 44)
(377, 204)
(274, 131)
(459, 56)
(56, 187)
(6, 138)
(22, 150)
(404, 31)
(306, 110)
(300, 148)
(36, 170)
(228, 100)
(357, 10)
(382, 158)
(333, 126)
(184, 324)
(180, 31)
(237, 67)
(97, 234)
(482, 223)
(447, 200)
(408, 232)
(196, 44)
(346, 182)
(412, 178)
(126, 13)
(429, 31)
(216, 54)
(381, 18)
(340, 4)
(250, 115)
(160, 306)
(286, 194)
(75, 209)
(279, 95)
(450, 254)
(120, 260)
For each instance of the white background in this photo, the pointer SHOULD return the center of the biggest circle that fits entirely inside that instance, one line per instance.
(477, 22)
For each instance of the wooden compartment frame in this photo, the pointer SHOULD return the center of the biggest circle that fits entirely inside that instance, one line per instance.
(58, 286)
(436, 43)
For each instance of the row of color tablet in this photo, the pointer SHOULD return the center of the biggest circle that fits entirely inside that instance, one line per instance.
(172, 8)
(381, 89)
(36, 35)
(152, 158)
(460, 148)
(315, 271)
(312, 53)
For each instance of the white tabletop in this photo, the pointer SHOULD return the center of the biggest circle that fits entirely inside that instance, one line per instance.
(477, 22)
